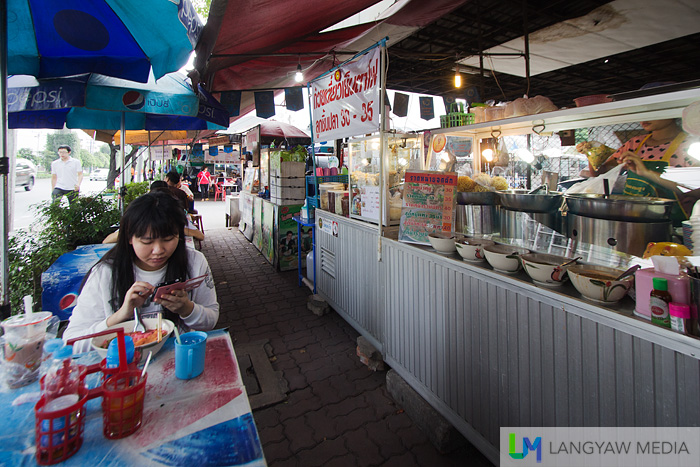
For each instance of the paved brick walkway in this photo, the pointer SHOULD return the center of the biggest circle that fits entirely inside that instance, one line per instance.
(338, 412)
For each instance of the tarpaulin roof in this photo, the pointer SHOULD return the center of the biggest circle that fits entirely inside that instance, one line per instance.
(281, 35)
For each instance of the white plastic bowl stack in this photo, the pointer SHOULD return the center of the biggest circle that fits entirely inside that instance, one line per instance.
(694, 227)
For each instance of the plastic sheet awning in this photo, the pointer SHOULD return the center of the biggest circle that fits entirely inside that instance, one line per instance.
(281, 35)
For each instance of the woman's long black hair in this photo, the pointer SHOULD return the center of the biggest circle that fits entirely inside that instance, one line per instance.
(157, 215)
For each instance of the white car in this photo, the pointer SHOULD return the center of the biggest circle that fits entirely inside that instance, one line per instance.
(99, 174)
(25, 174)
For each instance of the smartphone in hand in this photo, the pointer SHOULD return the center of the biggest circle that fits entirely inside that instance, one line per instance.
(190, 284)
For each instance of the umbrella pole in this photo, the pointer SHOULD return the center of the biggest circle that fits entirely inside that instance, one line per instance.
(5, 310)
(122, 141)
(150, 143)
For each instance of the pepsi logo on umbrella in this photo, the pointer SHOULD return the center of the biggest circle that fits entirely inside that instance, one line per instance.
(133, 100)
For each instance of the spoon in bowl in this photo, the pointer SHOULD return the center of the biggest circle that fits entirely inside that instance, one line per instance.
(630, 271)
(570, 261)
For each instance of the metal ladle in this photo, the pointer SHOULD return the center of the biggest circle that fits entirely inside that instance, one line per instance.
(628, 272)
(570, 261)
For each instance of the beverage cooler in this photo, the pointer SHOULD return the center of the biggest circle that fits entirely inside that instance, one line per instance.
(400, 152)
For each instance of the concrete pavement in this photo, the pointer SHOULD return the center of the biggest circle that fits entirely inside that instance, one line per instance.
(337, 412)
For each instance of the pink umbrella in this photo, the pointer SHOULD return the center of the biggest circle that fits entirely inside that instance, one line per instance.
(280, 130)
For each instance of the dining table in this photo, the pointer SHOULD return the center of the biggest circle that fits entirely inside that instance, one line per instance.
(206, 420)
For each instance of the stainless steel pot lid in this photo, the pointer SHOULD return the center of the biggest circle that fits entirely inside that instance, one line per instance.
(521, 200)
(620, 207)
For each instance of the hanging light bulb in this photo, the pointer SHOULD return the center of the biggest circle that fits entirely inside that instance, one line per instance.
(524, 155)
(487, 154)
(458, 78)
(299, 76)
(694, 150)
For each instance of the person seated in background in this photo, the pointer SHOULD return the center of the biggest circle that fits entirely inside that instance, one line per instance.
(173, 180)
(646, 157)
(190, 229)
(150, 250)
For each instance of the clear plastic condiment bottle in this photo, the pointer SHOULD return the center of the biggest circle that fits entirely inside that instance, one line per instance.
(681, 318)
(659, 300)
(50, 347)
(63, 377)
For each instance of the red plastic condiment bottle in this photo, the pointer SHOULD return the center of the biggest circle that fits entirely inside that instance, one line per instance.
(681, 318)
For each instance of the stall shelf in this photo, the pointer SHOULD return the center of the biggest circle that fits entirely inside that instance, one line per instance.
(488, 350)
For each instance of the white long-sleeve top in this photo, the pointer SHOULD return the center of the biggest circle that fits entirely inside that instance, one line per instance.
(95, 305)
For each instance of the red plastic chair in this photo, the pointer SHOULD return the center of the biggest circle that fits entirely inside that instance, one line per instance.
(219, 191)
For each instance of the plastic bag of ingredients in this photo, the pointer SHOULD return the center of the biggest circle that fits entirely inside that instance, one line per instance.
(596, 185)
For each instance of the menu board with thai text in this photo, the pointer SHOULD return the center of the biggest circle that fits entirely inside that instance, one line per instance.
(428, 205)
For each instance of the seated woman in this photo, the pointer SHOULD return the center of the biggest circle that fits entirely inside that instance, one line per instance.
(150, 250)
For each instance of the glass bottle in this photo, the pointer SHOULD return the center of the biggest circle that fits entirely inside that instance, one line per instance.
(659, 300)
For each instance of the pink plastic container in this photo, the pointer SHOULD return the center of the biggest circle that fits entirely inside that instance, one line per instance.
(678, 287)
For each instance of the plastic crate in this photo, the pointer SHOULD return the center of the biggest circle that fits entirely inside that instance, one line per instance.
(456, 117)
(312, 201)
(311, 188)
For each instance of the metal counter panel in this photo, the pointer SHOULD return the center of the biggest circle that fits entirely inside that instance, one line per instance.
(489, 350)
(347, 275)
(488, 353)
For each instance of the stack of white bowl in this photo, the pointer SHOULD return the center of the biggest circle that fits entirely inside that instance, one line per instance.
(694, 228)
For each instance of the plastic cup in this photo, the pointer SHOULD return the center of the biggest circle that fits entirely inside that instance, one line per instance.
(189, 354)
(23, 346)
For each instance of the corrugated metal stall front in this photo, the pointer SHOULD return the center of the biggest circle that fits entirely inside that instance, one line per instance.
(347, 273)
(489, 351)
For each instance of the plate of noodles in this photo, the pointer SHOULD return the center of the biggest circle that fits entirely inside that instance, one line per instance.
(143, 341)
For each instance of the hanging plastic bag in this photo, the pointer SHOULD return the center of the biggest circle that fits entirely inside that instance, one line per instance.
(596, 185)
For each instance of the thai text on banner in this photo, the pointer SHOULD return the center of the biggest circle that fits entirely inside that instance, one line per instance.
(346, 102)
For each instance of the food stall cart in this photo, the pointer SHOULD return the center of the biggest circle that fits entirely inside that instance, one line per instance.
(490, 350)
(267, 208)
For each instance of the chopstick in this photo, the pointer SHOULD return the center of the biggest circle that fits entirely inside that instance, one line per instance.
(160, 324)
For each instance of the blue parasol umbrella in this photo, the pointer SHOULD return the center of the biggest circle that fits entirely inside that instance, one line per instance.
(98, 102)
(119, 38)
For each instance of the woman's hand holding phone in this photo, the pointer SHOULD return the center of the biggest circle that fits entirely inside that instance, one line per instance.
(136, 296)
(177, 301)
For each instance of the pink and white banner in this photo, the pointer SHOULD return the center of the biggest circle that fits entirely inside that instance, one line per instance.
(346, 102)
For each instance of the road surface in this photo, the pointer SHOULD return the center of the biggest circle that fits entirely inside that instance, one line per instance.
(24, 214)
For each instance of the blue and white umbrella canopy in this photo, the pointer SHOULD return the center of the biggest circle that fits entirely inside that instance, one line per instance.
(93, 101)
(119, 38)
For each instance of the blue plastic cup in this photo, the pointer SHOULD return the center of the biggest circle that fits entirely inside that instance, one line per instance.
(189, 354)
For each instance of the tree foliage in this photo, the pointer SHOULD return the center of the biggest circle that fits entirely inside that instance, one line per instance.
(202, 7)
(58, 229)
(26, 153)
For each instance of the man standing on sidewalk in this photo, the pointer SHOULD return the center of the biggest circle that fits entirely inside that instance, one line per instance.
(66, 175)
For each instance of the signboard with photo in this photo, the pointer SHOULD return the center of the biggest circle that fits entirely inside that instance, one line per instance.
(428, 205)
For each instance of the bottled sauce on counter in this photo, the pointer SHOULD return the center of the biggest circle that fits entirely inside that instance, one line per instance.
(681, 318)
(659, 300)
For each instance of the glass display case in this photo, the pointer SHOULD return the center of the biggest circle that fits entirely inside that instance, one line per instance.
(401, 152)
(451, 153)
